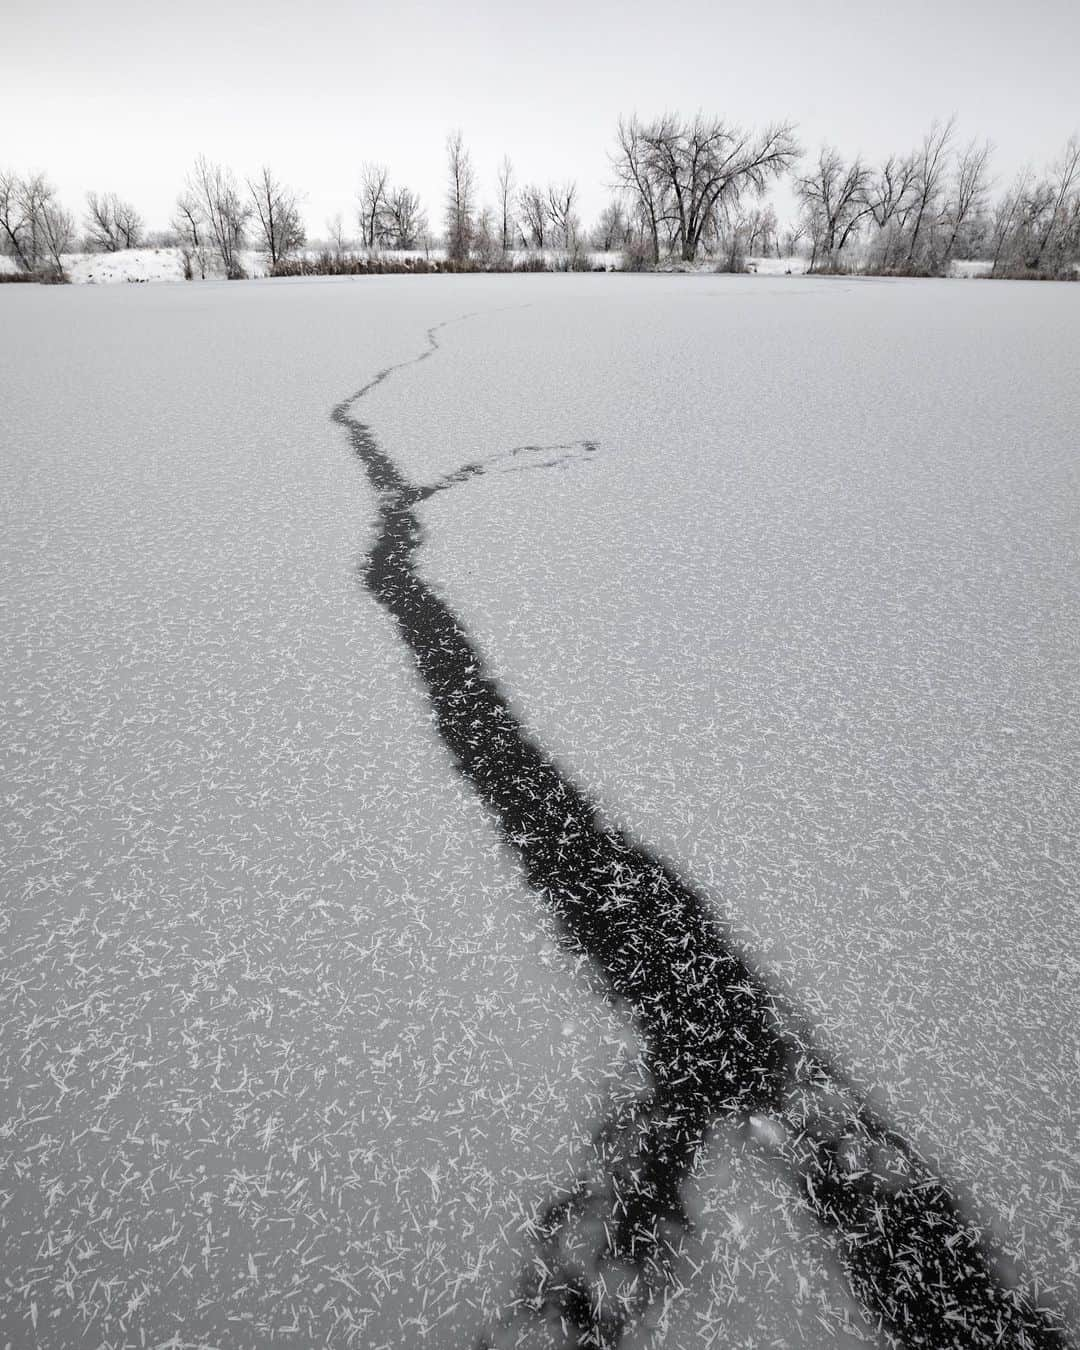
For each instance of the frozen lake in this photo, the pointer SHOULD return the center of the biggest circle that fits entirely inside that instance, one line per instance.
(782, 574)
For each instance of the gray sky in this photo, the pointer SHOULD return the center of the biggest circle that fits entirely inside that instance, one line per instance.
(124, 94)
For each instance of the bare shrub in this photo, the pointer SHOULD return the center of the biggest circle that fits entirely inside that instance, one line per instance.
(638, 253)
(532, 262)
(329, 264)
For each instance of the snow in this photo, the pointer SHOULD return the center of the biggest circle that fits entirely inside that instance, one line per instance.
(766, 266)
(290, 1050)
(136, 264)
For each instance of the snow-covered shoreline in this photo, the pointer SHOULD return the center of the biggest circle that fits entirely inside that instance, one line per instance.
(165, 264)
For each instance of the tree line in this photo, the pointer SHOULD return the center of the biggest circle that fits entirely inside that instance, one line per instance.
(683, 190)
(914, 214)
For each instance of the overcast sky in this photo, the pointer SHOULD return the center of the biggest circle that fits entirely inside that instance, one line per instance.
(122, 95)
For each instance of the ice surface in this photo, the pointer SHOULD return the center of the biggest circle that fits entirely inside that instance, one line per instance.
(288, 1048)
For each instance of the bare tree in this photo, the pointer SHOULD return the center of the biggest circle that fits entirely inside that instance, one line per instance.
(57, 232)
(36, 193)
(505, 182)
(692, 173)
(968, 194)
(890, 205)
(930, 165)
(729, 228)
(761, 231)
(793, 237)
(891, 193)
(460, 199)
(128, 223)
(632, 164)
(533, 221)
(34, 227)
(335, 229)
(561, 202)
(1052, 230)
(1007, 213)
(769, 226)
(612, 230)
(16, 229)
(405, 219)
(836, 198)
(100, 232)
(110, 223)
(189, 224)
(374, 195)
(277, 211)
(224, 211)
(487, 240)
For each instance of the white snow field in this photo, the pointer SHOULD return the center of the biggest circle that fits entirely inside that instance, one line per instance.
(783, 572)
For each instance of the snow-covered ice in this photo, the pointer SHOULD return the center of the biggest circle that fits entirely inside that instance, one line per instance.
(290, 1051)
